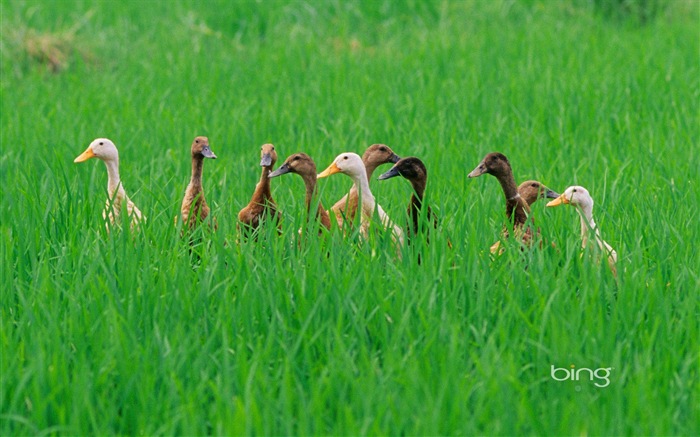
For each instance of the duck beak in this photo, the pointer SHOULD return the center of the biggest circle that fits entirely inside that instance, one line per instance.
(478, 171)
(87, 154)
(551, 194)
(332, 169)
(393, 171)
(207, 153)
(394, 158)
(266, 160)
(280, 171)
(558, 201)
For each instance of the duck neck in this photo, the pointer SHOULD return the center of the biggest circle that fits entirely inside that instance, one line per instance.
(197, 164)
(362, 185)
(310, 184)
(587, 223)
(516, 208)
(370, 166)
(419, 188)
(510, 189)
(114, 183)
(262, 191)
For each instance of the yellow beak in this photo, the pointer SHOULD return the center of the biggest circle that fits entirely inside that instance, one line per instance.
(87, 154)
(332, 169)
(558, 201)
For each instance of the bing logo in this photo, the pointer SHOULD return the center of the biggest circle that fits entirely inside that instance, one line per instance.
(601, 376)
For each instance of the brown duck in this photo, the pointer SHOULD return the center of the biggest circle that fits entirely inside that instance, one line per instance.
(517, 208)
(261, 205)
(346, 208)
(414, 171)
(194, 206)
(304, 166)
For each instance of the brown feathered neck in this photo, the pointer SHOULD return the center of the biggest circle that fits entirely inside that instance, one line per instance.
(262, 189)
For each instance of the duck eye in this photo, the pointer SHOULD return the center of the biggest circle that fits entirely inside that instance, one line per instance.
(101, 143)
(383, 149)
(345, 157)
(296, 158)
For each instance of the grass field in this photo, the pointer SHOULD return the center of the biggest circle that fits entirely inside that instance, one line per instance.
(125, 334)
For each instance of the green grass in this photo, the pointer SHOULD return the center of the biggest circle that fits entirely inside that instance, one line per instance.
(125, 334)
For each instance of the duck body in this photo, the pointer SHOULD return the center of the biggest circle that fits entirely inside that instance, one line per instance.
(261, 204)
(194, 207)
(351, 165)
(413, 170)
(304, 166)
(105, 150)
(345, 209)
(580, 198)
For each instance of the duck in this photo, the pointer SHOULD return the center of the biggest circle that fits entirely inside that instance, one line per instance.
(580, 198)
(530, 191)
(346, 208)
(194, 206)
(351, 165)
(105, 150)
(413, 169)
(261, 204)
(517, 209)
(304, 166)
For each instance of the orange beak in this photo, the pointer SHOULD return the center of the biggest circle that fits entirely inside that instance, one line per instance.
(332, 169)
(558, 201)
(87, 154)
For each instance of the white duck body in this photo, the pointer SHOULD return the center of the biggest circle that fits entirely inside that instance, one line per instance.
(582, 200)
(106, 151)
(351, 165)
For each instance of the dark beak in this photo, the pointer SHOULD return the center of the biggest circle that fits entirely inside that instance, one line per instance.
(266, 160)
(207, 153)
(478, 171)
(280, 171)
(552, 194)
(394, 158)
(390, 174)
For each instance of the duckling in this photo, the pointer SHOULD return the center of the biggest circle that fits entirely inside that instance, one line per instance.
(414, 171)
(517, 209)
(261, 205)
(375, 155)
(192, 216)
(580, 198)
(351, 165)
(105, 150)
(304, 166)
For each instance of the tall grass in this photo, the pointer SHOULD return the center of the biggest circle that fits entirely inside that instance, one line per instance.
(131, 333)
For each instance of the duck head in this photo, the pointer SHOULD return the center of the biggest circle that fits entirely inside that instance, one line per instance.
(348, 163)
(378, 154)
(410, 168)
(576, 196)
(200, 147)
(495, 164)
(101, 148)
(530, 191)
(268, 156)
(299, 163)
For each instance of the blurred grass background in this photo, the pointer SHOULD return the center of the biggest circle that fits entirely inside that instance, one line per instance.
(120, 334)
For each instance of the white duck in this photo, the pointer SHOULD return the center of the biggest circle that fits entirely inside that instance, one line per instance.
(582, 200)
(351, 165)
(105, 150)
